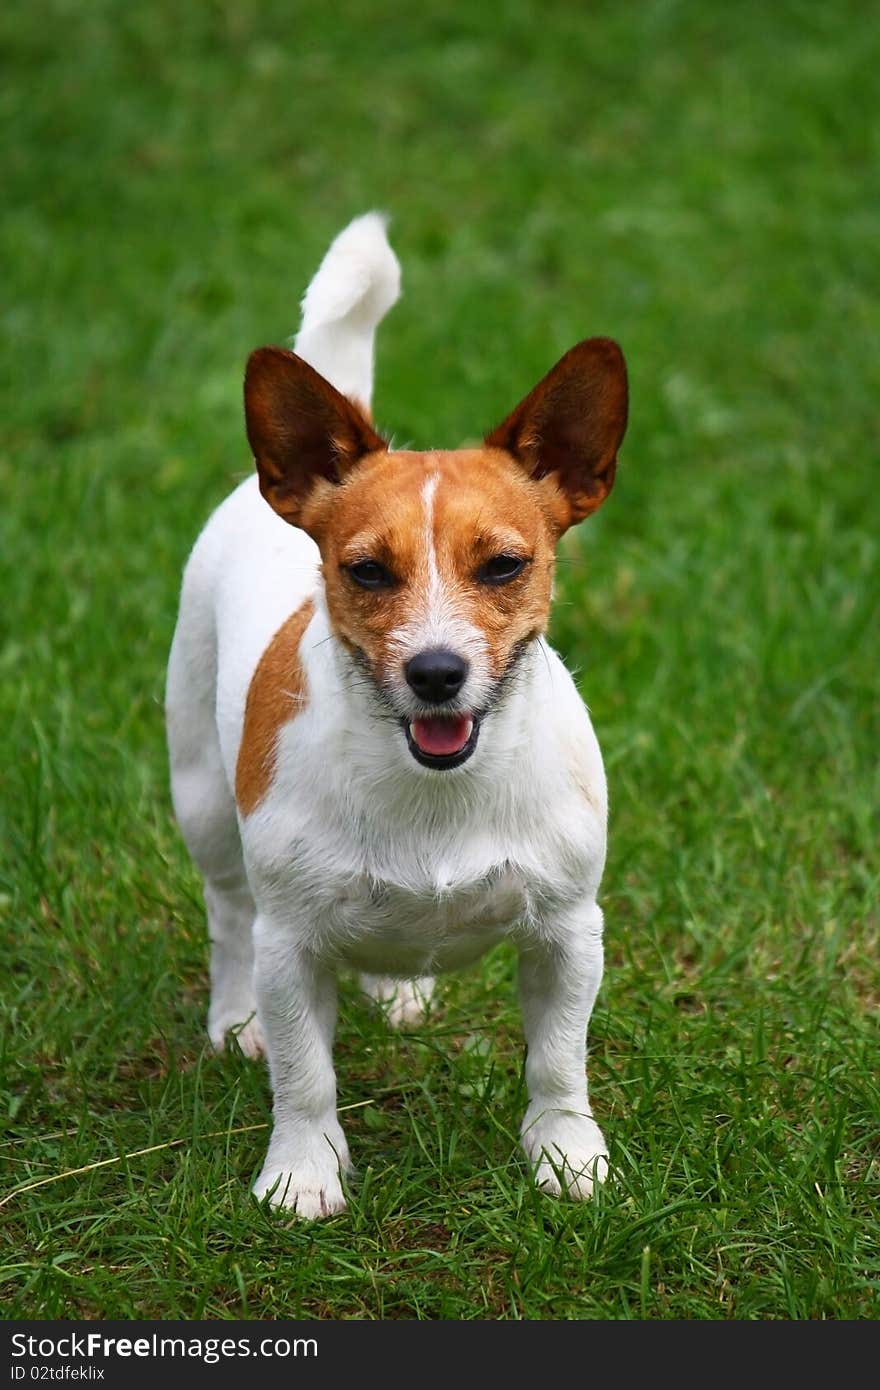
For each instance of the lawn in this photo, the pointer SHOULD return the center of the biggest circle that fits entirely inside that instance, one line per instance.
(700, 181)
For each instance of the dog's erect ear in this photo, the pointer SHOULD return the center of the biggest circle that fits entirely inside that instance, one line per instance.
(301, 429)
(571, 425)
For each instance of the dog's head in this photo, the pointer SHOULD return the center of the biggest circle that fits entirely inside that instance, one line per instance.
(438, 566)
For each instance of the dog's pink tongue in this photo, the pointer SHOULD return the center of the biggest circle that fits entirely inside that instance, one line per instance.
(440, 735)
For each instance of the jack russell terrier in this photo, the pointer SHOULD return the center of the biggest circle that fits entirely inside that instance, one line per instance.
(377, 761)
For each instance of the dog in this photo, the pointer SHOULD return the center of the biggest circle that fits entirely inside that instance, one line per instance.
(377, 761)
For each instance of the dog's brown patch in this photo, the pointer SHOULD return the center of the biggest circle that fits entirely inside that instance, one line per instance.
(277, 694)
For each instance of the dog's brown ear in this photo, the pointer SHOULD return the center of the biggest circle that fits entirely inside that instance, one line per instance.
(301, 429)
(571, 426)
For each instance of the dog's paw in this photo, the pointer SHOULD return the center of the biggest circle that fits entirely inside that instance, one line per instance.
(567, 1151)
(303, 1191)
(405, 1003)
(306, 1178)
(248, 1034)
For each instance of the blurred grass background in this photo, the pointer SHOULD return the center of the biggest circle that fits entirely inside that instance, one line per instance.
(698, 180)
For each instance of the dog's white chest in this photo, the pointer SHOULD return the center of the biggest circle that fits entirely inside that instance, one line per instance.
(381, 927)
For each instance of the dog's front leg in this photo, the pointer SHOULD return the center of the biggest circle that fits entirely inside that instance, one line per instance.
(296, 1005)
(559, 979)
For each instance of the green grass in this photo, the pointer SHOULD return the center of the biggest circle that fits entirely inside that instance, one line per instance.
(699, 180)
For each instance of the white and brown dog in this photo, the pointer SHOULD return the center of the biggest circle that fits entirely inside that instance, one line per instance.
(377, 761)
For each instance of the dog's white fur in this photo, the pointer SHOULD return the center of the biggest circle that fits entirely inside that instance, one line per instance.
(358, 856)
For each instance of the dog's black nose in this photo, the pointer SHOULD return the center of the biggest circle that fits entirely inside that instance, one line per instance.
(436, 675)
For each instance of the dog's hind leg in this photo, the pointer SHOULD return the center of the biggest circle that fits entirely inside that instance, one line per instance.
(205, 812)
(233, 1007)
(404, 1002)
(207, 819)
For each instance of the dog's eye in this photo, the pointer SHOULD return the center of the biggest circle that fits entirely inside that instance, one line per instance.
(500, 569)
(370, 574)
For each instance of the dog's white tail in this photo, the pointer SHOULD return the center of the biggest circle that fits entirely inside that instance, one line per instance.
(356, 284)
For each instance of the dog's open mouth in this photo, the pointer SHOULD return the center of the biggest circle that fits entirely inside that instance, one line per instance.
(442, 740)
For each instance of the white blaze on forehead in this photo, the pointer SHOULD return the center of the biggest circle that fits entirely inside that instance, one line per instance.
(428, 492)
(442, 626)
(438, 618)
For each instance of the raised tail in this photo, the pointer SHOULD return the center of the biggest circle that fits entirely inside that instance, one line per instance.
(356, 284)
